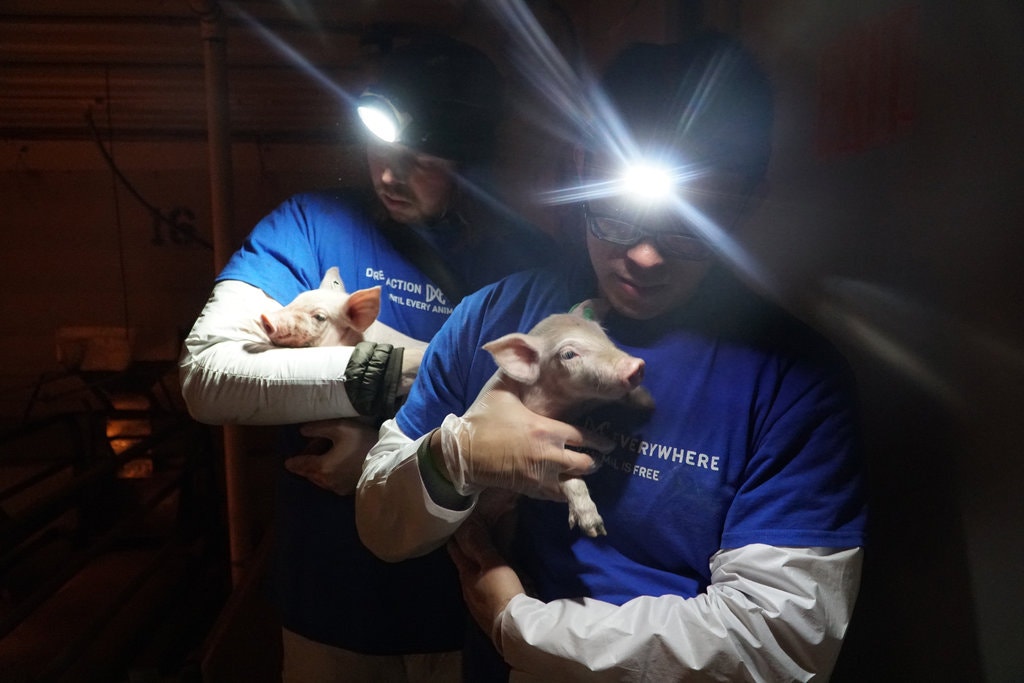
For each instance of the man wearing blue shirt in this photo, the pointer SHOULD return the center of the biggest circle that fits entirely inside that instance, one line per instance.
(426, 235)
(735, 511)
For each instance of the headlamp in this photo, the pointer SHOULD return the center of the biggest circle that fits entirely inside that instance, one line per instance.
(639, 192)
(647, 182)
(380, 115)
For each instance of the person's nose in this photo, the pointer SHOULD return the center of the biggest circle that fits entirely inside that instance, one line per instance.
(387, 175)
(393, 170)
(645, 254)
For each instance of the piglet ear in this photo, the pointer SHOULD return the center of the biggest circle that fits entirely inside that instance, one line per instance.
(362, 307)
(591, 309)
(518, 355)
(332, 280)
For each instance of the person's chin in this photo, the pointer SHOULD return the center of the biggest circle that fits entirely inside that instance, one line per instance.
(644, 311)
(638, 306)
(406, 216)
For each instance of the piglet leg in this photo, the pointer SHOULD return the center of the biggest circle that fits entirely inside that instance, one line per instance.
(582, 509)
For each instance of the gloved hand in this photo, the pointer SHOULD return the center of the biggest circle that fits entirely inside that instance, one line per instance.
(373, 377)
(499, 443)
(381, 333)
(337, 469)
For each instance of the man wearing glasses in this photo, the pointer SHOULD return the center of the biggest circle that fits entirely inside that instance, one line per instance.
(735, 511)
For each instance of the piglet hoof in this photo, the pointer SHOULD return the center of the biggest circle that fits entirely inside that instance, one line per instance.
(582, 510)
(590, 522)
(594, 529)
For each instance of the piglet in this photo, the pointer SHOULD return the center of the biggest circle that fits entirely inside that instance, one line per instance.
(330, 316)
(565, 366)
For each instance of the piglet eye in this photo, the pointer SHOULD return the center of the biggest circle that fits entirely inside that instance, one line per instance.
(567, 354)
(320, 317)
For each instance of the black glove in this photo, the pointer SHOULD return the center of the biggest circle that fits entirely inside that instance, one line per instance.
(372, 379)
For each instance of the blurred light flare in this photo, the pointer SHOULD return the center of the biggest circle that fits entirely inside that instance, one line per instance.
(577, 96)
(851, 310)
(293, 55)
(648, 182)
(924, 344)
(838, 315)
(579, 99)
(542, 64)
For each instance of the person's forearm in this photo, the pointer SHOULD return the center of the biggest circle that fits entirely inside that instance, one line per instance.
(770, 614)
(229, 372)
(396, 516)
(230, 384)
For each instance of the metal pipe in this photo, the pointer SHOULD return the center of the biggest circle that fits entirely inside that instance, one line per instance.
(214, 36)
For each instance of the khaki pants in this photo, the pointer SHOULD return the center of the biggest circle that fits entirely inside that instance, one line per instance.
(306, 661)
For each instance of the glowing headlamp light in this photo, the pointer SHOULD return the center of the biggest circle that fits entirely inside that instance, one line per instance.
(639, 192)
(647, 182)
(382, 117)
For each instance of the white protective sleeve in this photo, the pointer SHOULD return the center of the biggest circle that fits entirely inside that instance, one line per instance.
(395, 515)
(231, 374)
(770, 614)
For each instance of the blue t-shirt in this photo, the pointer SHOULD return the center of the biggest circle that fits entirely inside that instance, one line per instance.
(330, 588)
(753, 439)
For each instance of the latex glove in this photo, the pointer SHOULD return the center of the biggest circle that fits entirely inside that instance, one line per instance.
(488, 582)
(500, 443)
(347, 441)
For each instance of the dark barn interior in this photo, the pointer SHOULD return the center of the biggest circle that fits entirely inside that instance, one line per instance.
(140, 141)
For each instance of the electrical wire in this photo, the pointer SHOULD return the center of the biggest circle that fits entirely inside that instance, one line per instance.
(157, 215)
(117, 214)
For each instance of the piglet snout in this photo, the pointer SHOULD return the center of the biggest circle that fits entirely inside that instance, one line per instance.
(268, 326)
(631, 370)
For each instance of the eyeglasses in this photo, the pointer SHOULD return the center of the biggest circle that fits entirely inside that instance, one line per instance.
(672, 244)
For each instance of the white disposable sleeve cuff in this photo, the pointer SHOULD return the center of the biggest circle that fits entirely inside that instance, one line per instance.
(455, 443)
(395, 515)
(231, 374)
(770, 614)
